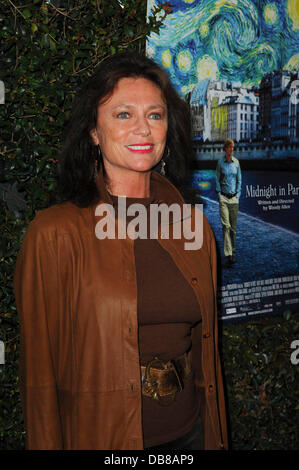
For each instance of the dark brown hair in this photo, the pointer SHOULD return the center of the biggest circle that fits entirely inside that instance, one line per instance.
(77, 161)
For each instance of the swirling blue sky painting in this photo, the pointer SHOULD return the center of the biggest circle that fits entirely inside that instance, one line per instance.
(234, 40)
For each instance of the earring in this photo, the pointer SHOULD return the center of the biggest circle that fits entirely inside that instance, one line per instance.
(162, 170)
(97, 162)
(163, 164)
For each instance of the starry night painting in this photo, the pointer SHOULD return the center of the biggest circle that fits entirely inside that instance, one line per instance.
(235, 40)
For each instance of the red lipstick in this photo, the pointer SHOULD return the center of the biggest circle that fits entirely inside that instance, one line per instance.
(145, 147)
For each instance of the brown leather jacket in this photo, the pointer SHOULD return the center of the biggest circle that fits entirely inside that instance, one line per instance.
(77, 304)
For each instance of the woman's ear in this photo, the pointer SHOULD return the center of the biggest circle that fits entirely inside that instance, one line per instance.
(94, 136)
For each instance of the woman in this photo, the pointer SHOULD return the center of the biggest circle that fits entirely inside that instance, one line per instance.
(119, 336)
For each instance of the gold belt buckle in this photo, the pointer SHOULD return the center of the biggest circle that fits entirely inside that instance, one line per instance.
(151, 386)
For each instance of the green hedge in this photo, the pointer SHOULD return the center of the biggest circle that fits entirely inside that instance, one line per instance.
(47, 50)
(261, 383)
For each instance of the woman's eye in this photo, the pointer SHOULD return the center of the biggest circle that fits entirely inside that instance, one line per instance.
(123, 115)
(155, 116)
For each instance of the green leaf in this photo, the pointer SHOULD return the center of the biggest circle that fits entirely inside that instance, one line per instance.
(27, 13)
(34, 27)
(52, 45)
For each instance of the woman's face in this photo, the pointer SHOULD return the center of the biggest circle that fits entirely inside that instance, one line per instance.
(131, 127)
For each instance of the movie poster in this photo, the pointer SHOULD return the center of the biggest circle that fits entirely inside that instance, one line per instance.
(236, 62)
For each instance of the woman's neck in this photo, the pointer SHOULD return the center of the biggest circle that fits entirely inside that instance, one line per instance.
(135, 186)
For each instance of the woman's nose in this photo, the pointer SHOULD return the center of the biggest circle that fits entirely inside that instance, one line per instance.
(142, 126)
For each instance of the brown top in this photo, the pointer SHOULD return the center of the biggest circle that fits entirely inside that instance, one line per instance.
(167, 310)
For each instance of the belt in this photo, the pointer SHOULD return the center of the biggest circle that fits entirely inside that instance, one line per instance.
(229, 196)
(162, 380)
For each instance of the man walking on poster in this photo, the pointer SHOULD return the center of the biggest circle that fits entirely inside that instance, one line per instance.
(228, 188)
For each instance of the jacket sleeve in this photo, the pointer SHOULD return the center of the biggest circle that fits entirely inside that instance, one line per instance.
(218, 366)
(36, 293)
